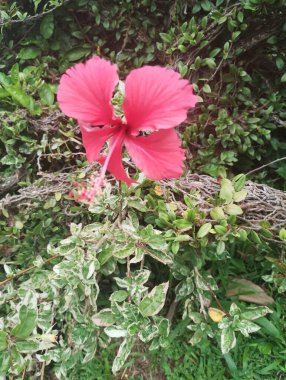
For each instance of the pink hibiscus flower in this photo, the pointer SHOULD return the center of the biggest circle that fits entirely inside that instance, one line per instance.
(156, 100)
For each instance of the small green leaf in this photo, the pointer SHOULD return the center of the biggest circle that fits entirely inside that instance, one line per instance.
(226, 190)
(283, 78)
(228, 340)
(118, 296)
(148, 333)
(217, 213)
(153, 302)
(28, 322)
(255, 312)
(5, 360)
(77, 53)
(115, 332)
(3, 340)
(46, 94)
(279, 63)
(183, 224)
(204, 230)
(14, 74)
(28, 346)
(29, 52)
(58, 196)
(166, 37)
(122, 354)
(104, 318)
(47, 26)
(19, 225)
(207, 89)
(126, 251)
(282, 234)
(233, 209)
(247, 327)
(240, 195)
(239, 182)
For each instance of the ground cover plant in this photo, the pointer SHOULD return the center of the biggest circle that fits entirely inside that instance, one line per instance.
(174, 279)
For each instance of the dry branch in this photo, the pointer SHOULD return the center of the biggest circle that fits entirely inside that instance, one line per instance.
(263, 203)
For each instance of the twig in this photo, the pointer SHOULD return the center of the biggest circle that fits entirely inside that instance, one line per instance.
(11, 278)
(34, 17)
(24, 374)
(264, 166)
(172, 310)
(43, 371)
(217, 301)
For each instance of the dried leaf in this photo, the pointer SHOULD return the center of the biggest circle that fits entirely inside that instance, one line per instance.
(247, 291)
(216, 315)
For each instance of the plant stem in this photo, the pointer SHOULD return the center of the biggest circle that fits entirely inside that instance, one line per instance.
(120, 203)
(8, 279)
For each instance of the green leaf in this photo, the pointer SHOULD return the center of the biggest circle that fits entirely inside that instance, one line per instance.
(115, 332)
(233, 209)
(122, 354)
(118, 296)
(148, 333)
(5, 360)
(103, 318)
(153, 302)
(231, 365)
(217, 213)
(183, 224)
(30, 52)
(269, 328)
(228, 340)
(282, 234)
(126, 251)
(163, 257)
(240, 196)
(279, 63)
(206, 5)
(166, 37)
(283, 78)
(47, 26)
(28, 346)
(226, 190)
(77, 53)
(204, 230)
(207, 89)
(239, 182)
(247, 327)
(5, 80)
(28, 322)
(46, 94)
(14, 74)
(255, 312)
(240, 16)
(3, 340)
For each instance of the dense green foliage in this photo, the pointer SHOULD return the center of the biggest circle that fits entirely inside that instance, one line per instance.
(144, 268)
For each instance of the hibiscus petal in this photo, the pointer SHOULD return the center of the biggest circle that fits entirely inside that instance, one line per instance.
(85, 91)
(94, 138)
(158, 155)
(115, 165)
(156, 98)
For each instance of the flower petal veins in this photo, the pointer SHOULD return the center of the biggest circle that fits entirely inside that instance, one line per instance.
(156, 98)
(94, 139)
(85, 91)
(158, 155)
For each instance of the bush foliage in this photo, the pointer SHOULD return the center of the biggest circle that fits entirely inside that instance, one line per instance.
(144, 272)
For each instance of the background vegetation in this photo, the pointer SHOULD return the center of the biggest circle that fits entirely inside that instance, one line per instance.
(146, 269)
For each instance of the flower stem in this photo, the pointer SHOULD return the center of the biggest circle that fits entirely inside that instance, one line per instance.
(120, 203)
